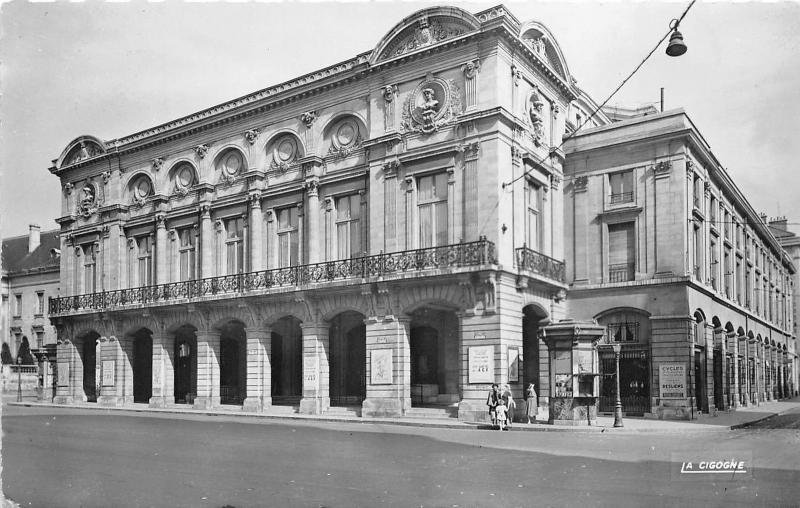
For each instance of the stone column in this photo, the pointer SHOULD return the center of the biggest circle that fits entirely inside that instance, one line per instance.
(313, 238)
(752, 377)
(207, 369)
(207, 242)
(162, 248)
(163, 370)
(733, 349)
(69, 383)
(388, 366)
(316, 369)
(259, 370)
(256, 239)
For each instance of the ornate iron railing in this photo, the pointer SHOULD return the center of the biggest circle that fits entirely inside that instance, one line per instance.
(542, 264)
(458, 255)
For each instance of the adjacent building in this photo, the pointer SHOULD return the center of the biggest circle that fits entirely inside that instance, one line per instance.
(389, 233)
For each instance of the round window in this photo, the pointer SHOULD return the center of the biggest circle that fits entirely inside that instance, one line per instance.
(142, 187)
(232, 162)
(185, 176)
(346, 133)
(286, 149)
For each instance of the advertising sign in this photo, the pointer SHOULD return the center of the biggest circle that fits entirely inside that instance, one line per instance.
(108, 372)
(513, 364)
(481, 364)
(310, 372)
(672, 381)
(381, 367)
(62, 373)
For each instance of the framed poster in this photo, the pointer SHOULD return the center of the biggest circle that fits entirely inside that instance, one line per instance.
(108, 372)
(62, 373)
(513, 364)
(380, 372)
(672, 381)
(310, 372)
(481, 364)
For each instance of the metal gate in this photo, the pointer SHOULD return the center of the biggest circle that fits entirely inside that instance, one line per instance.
(634, 379)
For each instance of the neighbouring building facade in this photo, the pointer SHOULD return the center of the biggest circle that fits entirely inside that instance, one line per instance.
(791, 244)
(387, 234)
(665, 251)
(30, 277)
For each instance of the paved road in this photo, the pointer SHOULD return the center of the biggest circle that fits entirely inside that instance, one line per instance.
(69, 457)
(788, 420)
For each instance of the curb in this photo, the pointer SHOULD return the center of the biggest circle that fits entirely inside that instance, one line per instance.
(538, 427)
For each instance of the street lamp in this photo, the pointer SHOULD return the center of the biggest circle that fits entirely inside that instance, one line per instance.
(618, 400)
(19, 379)
(676, 46)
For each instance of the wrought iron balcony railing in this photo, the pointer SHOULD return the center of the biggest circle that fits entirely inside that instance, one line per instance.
(481, 252)
(621, 197)
(536, 262)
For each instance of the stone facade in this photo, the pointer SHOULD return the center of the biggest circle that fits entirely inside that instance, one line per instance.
(664, 250)
(342, 239)
(387, 233)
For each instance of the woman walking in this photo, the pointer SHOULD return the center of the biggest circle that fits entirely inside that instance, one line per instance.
(532, 406)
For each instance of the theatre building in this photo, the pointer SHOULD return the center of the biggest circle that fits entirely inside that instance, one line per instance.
(343, 239)
(666, 253)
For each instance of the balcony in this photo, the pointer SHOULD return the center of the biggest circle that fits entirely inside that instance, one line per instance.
(461, 255)
(621, 197)
(536, 262)
(622, 272)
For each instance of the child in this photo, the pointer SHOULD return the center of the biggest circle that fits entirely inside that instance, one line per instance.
(502, 415)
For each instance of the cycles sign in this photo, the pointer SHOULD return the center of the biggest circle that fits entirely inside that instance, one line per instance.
(672, 381)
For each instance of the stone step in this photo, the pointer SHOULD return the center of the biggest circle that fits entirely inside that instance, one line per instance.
(283, 409)
(433, 412)
(343, 411)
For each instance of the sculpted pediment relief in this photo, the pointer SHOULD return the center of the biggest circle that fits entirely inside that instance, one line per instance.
(425, 32)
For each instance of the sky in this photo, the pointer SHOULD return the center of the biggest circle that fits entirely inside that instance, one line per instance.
(113, 69)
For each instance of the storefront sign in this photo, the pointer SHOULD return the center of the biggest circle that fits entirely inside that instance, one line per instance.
(481, 364)
(62, 373)
(108, 372)
(310, 373)
(381, 367)
(672, 381)
(513, 364)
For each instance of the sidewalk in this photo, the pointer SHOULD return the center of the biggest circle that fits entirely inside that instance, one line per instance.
(724, 421)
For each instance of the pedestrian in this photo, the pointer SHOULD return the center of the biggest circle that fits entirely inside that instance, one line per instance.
(508, 399)
(532, 406)
(491, 401)
(502, 414)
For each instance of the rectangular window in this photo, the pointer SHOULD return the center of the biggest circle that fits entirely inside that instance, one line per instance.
(713, 268)
(698, 253)
(186, 254)
(698, 192)
(40, 303)
(89, 269)
(533, 226)
(621, 187)
(144, 254)
(712, 210)
(17, 305)
(234, 245)
(288, 237)
(39, 340)
(348, 226)
(621, 252)
(433, 210)
(728, 273)
(738, 281)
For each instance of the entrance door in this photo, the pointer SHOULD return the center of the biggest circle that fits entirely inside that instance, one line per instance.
(229, 372)
(90, 370)
(699, 381)
(142, 369)
(183, 372)
(634, 380)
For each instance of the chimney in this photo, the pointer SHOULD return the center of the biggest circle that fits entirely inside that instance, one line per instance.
(778, 223)
(33, 237)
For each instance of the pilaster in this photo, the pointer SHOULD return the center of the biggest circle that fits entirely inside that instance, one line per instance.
(316, 369)
(259, 369)
(163, 370)
(388, 367)
(207, 369)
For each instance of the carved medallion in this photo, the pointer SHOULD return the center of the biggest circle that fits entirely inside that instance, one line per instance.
(346, 138)
(434, 103)
(284, 153)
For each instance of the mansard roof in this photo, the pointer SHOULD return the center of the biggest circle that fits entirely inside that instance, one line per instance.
(17, 259)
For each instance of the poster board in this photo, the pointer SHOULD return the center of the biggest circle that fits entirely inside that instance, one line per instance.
(108, 372)
(481, 364)
(62, 373)
(380, 372)
(310, 373)
(672, 381)
(513, 364)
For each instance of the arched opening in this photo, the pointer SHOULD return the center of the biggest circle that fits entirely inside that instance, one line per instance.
(287, 362)
(532, 317)
(232, 364)
(142, 365)
(348, 338)
(631, 329)
(185, 365)
(434, 357)
(89, 354)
